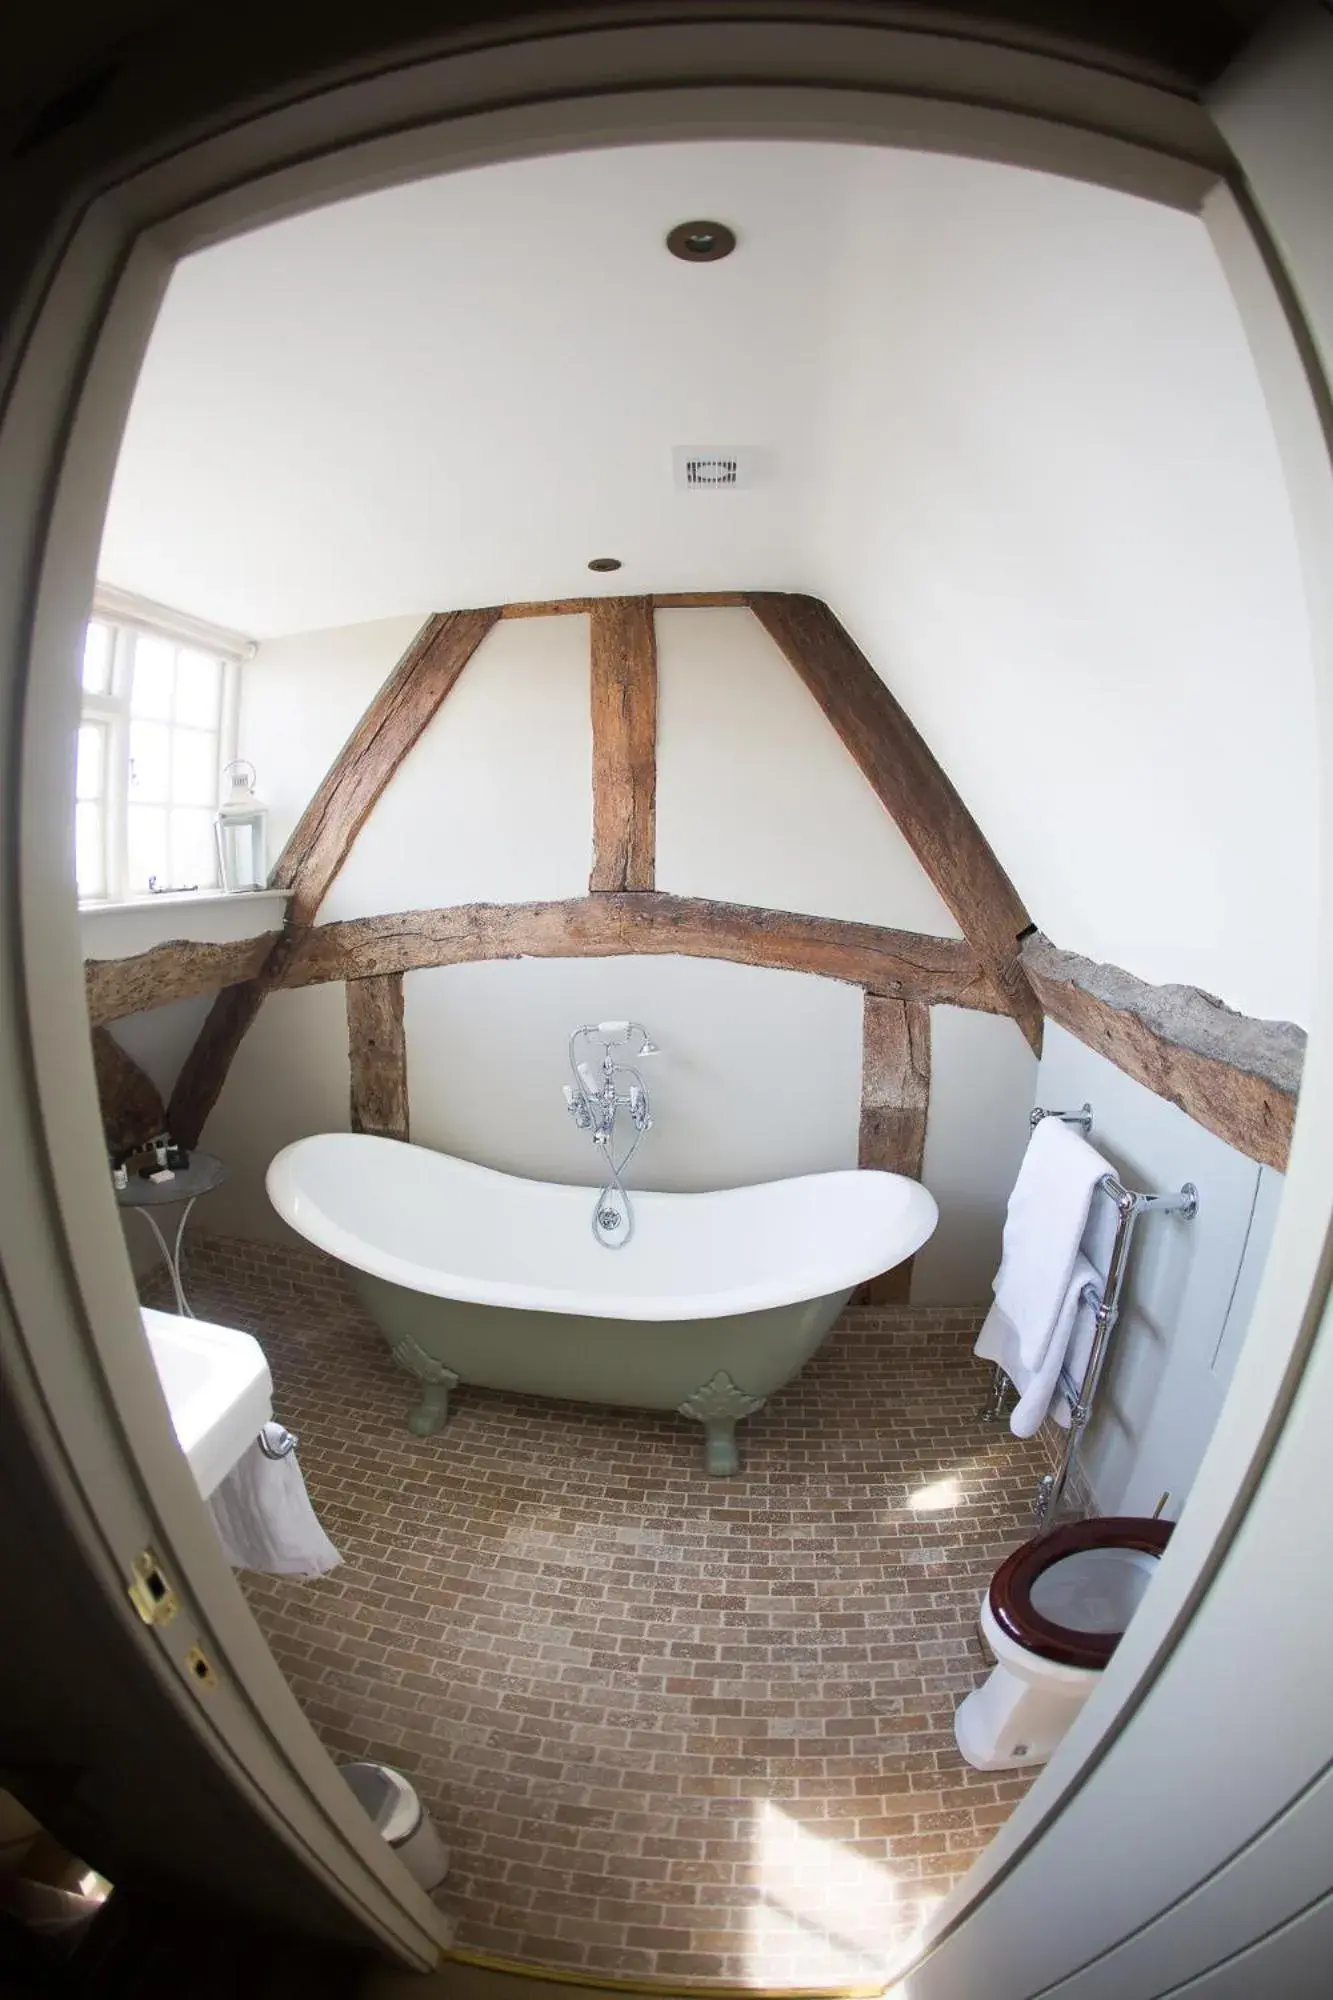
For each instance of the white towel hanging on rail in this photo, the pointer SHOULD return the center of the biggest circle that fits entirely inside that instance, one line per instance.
(1038, 1387)
(1043, 1228)
(264, 1518)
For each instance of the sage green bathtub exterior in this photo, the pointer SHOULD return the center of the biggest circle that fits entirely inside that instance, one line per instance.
(715, 1371)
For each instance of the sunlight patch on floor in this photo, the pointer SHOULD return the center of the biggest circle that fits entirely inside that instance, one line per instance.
(823, 1911)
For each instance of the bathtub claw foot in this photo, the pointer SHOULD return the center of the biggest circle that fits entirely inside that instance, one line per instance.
(718, 1406)
(432, 1413)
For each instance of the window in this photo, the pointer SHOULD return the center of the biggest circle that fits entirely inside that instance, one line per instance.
(153, 740)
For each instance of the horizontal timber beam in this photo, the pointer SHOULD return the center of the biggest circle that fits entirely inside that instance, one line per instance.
(1236, 1076)
(901, 964)
(179, 970)
(661, 600)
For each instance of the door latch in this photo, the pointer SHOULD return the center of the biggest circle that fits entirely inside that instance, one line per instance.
(150, 1593)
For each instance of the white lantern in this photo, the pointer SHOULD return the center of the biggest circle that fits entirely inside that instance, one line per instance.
(239, 831)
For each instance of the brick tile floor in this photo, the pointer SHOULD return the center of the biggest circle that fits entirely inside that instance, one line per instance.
(669, 1725)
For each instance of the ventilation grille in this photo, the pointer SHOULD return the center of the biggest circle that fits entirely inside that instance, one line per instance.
(712, 471)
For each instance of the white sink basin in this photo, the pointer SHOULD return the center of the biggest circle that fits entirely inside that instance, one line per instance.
(218, 1390)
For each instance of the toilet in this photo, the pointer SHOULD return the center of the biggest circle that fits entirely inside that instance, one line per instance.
(1052, 1617)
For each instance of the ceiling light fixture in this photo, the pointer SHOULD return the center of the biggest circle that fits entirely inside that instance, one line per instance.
(701, 242)
(605, 562)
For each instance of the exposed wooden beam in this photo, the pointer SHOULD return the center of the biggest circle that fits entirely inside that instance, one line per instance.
(377, 1056)
(1236, 1076)
(624, 744)
(902, 964)
(662, 600)
(132, 1109)
(547, 607)
(901, 768)
(895, 1098)
(395, 719)
(689, 600)
(180, 970)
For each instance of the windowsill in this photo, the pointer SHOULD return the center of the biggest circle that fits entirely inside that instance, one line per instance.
(190, 916)
(191, 899)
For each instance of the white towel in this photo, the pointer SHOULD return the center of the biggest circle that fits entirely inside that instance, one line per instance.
(1037, 1388)
(264, 1518)
(1047, 1215)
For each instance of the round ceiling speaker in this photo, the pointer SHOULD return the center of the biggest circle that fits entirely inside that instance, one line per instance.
(701, 242)
(605, 562)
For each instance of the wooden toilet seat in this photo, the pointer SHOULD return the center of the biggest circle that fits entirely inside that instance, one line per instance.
(1011, 1585)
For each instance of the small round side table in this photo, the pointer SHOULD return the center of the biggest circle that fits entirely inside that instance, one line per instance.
(204, 1173)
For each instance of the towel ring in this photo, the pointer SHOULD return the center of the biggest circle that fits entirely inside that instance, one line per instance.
(284, 1447)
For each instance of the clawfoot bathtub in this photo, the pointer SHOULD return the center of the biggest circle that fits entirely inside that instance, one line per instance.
(481, 1277)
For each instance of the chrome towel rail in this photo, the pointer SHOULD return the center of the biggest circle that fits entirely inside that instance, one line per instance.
(1129, 1204)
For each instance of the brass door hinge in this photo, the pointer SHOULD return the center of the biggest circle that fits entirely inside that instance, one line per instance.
(150, 1593)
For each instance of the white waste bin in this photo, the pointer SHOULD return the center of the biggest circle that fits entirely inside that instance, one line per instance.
(399, 1818)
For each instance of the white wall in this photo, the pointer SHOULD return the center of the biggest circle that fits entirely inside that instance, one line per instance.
(301, 698)
(1007, 424)
(757, 800)
(982, 1078)
(1055, 520)
(289, 1078)
(1190, 1287)
(760, 1075)
(494, 803)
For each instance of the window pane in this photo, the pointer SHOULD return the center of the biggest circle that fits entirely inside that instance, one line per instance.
(88, 849)
(90, 768)
(150, 761)
(97, 645)
(193, 850)
(198, 682)
(147, 831)
(154, 674)
(194, 768)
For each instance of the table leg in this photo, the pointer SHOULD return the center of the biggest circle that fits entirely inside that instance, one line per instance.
(171, 1256)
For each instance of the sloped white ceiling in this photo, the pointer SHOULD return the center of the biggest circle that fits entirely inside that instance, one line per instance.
(1008, 427)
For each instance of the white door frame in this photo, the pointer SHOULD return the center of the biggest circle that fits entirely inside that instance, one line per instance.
(69, 1340)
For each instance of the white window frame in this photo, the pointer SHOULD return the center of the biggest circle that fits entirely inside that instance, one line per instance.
(127, 616)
